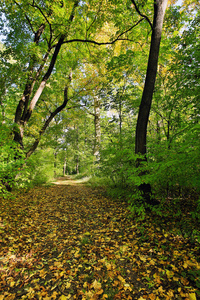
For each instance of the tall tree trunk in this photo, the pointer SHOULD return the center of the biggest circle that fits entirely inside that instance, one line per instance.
(77, 147)
(55, 163)
(64, 165)
(3, 115)
(145, 106)
(97, 128)
(120, 122)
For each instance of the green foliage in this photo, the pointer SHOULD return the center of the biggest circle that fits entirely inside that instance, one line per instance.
(177, 167)
(41, 167)
(99, 181)
(119, 164)
(11, 159)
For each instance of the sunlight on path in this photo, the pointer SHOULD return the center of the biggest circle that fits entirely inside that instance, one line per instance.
(68, 181)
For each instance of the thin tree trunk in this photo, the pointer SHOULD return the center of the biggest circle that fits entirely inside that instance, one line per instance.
(64, 166)
(77, 149)
(145, 106)
(97, 126)
(55, 164)
(2, 110)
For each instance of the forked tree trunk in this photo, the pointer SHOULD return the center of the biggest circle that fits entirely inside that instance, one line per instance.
(145, 106)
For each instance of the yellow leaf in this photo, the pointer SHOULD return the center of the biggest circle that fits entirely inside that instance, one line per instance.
(43, 273)
(109, 266)
(152, 296)
(192, 296)
(77, 253)
(96, 285)
(169, 273)
(143, 258)
(99, 292)
(185, 265)
(54, 295)
(152, 262)
(87, 233)
(12, 283)
(121, 278)
(67, 286)
(127, 287)
(63, 297)
(89, 295)
(10, 297)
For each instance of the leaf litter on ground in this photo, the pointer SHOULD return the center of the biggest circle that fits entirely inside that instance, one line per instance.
(73, 242)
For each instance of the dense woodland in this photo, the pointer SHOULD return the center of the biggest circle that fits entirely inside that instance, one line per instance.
(87, 88)
(107, 93)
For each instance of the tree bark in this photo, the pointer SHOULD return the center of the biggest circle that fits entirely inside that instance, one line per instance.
(77, 149)
(97, 128)
(25, 107)
(145, 105)
(50, 118)
(64, 165)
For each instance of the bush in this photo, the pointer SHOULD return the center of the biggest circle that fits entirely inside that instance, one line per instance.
(11, 159)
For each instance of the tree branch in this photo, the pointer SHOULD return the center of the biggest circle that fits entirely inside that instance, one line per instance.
(142, 15)
(104, 43)
(50, 118)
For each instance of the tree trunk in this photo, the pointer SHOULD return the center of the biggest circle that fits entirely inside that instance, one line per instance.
(55, 163)
(26, 106)
(2, 112)
(145, 106)
(97, 128)
(77, 150)
(64, 166)
(50, 118)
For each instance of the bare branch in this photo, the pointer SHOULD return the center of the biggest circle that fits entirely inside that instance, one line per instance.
(142, 15)
(50, 118)
(105, 43)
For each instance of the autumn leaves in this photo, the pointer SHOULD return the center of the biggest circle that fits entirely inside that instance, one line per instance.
(71, 242)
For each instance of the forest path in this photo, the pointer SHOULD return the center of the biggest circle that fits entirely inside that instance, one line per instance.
(68, 180)
(73, 242)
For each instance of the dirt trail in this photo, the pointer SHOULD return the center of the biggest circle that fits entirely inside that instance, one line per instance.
(67, 180)
(71, 242)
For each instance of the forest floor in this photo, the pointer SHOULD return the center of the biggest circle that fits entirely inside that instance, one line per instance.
(70, 241)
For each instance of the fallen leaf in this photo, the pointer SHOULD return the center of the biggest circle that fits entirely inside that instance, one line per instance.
(12, 283)
(169, 273)
(63, 297)
(192, 296)
(152, 296)
(99, 292)
(96, 285)
(68, 284)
